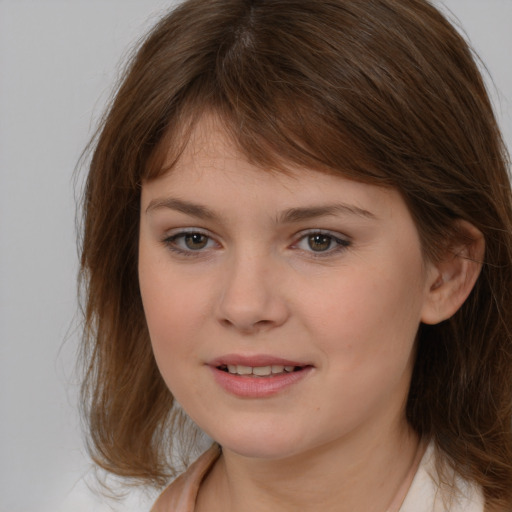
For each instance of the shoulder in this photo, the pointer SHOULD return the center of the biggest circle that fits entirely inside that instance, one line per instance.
(431, 492)
(181, 494)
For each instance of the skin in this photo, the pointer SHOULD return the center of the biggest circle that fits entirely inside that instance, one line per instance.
(254, 284)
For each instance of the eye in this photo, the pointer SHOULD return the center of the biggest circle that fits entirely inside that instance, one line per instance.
(195, 241)
(188, 242)
(319, 242)
(322, 242)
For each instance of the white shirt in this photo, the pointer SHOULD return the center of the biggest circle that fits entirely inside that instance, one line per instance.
(426, 494)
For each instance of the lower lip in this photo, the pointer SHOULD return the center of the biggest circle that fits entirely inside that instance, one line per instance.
(258, 387)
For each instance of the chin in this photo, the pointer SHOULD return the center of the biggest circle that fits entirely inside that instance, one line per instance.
(262, 442)
(261, 450)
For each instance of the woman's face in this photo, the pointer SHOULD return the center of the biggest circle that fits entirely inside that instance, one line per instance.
(282, 308)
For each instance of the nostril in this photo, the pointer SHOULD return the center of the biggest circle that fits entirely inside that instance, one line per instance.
(247, 326)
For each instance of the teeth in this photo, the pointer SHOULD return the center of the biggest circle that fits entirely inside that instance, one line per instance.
(259, 371)
(243, 370)
(262, 370)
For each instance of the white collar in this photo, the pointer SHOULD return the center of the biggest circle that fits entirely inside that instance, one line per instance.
(427, 494)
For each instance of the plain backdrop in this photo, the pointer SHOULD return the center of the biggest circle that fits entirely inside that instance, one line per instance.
(58, 63)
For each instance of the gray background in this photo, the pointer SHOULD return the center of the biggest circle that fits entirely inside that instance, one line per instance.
(58, 63)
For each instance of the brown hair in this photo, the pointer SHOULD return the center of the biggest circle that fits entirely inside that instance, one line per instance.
(383, 91)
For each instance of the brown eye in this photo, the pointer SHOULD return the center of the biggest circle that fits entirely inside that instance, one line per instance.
(319, 242)
(191, 243)
(322, 244)
(195, 241)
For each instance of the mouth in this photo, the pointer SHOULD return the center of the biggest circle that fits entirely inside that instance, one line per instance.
(258, 375)
(259, 371)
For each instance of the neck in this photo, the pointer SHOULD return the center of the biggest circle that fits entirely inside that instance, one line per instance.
(342, 476)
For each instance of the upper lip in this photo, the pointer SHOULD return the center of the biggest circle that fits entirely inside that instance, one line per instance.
(255, 360)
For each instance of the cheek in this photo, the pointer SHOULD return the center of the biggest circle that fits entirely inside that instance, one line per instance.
(368, 339)
(370, 316)
(172, 322)
(173, 313)
(171, 305)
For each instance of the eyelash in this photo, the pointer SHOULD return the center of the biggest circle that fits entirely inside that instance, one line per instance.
(340, 244)
(171, 243)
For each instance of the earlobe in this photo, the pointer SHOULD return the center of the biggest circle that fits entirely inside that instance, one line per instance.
(453, 277)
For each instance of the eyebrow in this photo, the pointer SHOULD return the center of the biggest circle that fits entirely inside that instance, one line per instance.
(312, 212)
(195, 210)
(290, 216)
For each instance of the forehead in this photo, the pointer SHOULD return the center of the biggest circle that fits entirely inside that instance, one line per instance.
(212, 170)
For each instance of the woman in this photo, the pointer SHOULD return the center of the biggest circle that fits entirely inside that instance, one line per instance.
(297, 224)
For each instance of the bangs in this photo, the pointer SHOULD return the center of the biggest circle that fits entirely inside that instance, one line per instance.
(279, 102)
(286, 128)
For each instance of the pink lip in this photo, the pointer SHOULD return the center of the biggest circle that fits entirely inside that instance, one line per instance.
(245, 386)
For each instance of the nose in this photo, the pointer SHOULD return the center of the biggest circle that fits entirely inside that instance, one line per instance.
(252, 298)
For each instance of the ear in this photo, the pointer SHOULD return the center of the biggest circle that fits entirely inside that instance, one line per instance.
(451, 279)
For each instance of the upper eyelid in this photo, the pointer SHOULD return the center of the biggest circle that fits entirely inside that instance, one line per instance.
(329, 232)
(175, 232)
